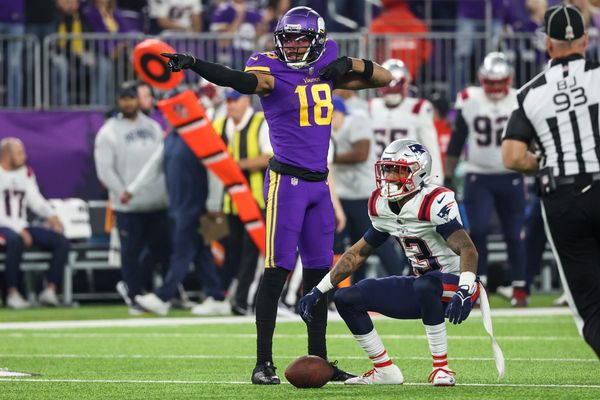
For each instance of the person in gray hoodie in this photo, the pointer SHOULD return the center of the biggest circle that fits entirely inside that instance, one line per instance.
(123, 145)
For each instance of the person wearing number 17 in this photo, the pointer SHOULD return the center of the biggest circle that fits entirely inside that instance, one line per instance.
(294, 83)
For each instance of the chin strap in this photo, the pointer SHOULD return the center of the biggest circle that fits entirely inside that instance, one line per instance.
(487, 324)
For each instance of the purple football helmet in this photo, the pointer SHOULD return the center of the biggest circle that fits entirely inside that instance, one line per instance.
(300, 37)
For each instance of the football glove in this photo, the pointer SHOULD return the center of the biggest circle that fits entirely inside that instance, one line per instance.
(460, 306)
(179, 61)
(335, 70)
(307, 304)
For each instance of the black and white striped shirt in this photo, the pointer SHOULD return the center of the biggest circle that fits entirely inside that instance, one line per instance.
(558, 111)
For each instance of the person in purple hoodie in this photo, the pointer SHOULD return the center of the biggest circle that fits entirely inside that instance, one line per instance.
(294, 83)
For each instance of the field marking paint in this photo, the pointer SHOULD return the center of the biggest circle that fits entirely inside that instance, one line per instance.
(157, 322)
(252, 336)
(252, 357)
(179, 382)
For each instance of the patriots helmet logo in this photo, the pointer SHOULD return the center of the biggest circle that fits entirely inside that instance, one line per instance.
(417, 148)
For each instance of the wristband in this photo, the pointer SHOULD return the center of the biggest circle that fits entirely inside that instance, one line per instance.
(325, 285)
(467, 279)
(368, 72)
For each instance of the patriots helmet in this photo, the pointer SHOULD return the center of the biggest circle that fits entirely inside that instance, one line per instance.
(404, 168)
(300, 37)
(397, 90)
(495, 75)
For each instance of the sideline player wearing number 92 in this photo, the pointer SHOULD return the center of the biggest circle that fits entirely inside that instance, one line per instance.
(295, 83)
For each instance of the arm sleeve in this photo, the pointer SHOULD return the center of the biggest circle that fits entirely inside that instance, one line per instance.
(150, 171)
(243, 82)
(519, 127)
(374, 237)
(35, 201)
(447, 229)
(104, 157)
(459, 136)
(428, 137)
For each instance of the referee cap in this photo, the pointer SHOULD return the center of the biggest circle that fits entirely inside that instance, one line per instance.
(564, 22)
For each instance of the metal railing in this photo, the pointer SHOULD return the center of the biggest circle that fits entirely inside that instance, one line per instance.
(19, 71)
(84, 71)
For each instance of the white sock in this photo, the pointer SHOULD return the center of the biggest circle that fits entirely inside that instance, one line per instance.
(372, 345)
(438, 344)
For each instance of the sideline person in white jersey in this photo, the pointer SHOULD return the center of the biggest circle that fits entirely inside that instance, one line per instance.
(21, 193)
(559, 111)
(424, 218)
(482, 114)
(396, 116)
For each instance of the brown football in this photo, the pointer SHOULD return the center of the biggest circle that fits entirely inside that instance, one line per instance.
(309, 372)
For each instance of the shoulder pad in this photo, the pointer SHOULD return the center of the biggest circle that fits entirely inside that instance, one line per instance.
(372, 205)
(464, 94)
(428, 199)
(30, 172)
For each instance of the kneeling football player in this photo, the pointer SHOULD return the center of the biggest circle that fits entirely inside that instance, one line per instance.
(424, 218)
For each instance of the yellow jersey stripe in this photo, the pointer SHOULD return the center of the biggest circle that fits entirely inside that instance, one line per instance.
(275, 209)
(261, 69)
(269, 249)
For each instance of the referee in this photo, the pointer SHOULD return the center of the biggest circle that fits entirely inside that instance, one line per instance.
(558, 111)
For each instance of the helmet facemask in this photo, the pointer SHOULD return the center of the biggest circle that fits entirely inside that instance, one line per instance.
(396, 178)
(298, 49)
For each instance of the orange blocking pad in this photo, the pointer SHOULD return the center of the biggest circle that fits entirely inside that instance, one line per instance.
(186, 114)
(152, 67)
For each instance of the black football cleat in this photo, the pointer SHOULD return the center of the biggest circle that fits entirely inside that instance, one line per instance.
(338, 374)
(264, 374)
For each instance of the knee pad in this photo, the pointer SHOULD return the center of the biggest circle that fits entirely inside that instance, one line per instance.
(349, 299)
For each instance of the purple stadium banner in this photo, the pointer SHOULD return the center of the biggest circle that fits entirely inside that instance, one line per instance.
(60, 149)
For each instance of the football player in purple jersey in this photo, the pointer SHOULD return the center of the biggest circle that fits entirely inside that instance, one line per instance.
(294, 83)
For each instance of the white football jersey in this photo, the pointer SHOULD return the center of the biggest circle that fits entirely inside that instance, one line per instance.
(412, 119)
(418, 226)
(19, 191)
(485, 119)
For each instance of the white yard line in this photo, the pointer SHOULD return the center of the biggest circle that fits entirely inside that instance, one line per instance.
(157, 322)
(252, 357)
(252, 336)
(179, 382)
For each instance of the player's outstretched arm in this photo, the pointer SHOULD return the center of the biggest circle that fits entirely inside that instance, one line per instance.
(355, 74)
(243, 82)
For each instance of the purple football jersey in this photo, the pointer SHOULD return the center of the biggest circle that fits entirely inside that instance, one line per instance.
(299, 109)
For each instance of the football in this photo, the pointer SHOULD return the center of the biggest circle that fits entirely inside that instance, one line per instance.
(309, 372)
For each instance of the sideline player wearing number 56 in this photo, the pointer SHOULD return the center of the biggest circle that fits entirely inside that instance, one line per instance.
(295, 83)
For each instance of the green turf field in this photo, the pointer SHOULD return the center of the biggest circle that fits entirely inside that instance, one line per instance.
(546, 358)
